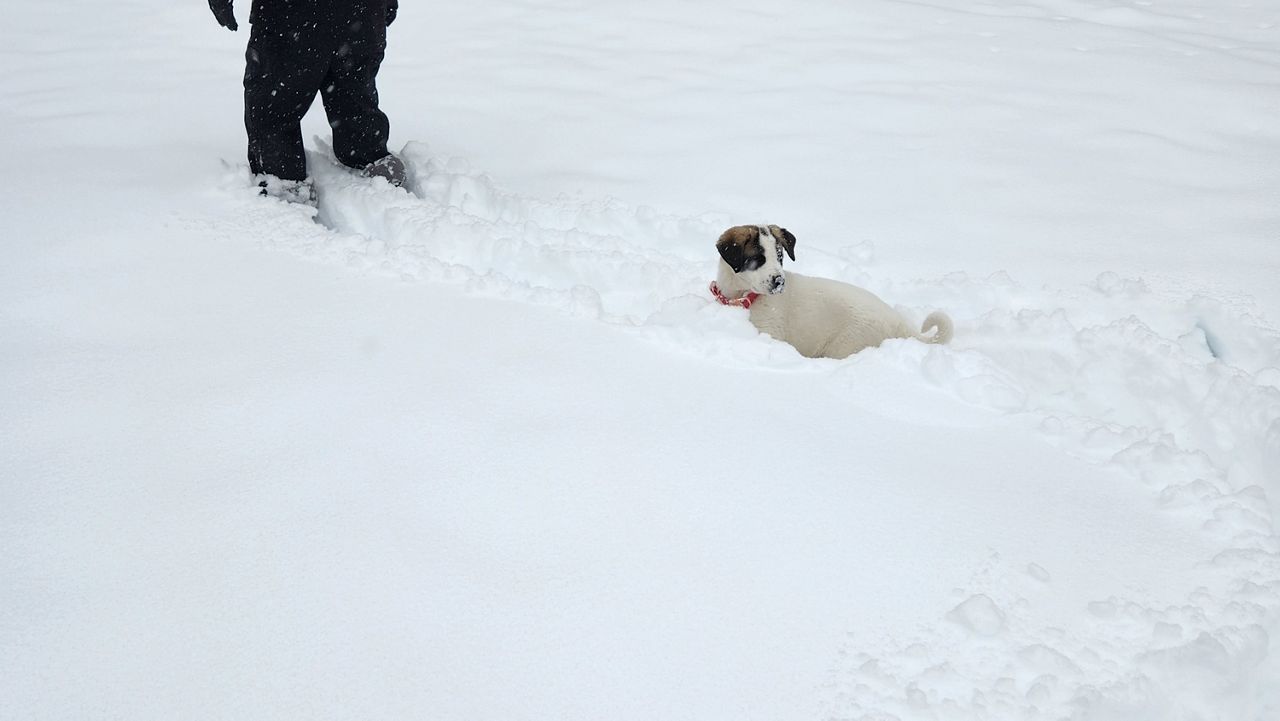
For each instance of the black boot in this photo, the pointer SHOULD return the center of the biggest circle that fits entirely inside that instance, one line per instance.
(389, 167)
(290, 191)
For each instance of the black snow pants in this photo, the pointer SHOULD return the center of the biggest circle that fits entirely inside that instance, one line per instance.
(298, 48)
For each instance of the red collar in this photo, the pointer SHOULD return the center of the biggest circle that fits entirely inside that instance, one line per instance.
(745, 301)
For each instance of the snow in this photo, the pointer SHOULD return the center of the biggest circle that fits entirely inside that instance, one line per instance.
(486, 449)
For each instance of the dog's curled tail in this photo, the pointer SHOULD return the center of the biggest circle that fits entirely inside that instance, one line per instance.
(942, 322)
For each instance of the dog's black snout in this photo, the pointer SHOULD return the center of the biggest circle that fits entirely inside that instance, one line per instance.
(776, 282)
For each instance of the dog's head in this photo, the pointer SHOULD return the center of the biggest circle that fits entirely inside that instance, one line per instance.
(754, 254)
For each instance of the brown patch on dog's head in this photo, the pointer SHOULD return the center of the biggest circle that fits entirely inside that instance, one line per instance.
(785, 239)
(740, 248)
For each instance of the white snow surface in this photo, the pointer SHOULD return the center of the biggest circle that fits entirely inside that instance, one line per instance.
(485, 449)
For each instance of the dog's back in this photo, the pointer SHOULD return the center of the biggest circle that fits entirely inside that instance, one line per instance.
(825, 318)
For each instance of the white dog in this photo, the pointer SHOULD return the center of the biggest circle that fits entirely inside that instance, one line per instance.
(822, 318)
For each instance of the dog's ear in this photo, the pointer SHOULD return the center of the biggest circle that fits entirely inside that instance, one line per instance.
(731, 251)
(785, 237)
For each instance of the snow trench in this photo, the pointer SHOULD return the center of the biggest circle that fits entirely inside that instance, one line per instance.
(1178, 394)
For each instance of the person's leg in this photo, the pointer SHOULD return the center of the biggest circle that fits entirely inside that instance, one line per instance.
(282, 74)
(350, 91)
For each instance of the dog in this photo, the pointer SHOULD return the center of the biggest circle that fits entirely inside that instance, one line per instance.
(821, 318)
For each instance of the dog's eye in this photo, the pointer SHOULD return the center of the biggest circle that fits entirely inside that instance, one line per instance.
(752, 264)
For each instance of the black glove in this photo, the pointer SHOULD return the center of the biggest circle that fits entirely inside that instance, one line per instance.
(223, 13)
(393, 6)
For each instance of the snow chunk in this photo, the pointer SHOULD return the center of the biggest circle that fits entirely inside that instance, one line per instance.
(979, 614)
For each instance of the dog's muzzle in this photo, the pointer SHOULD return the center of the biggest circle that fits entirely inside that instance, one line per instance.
(776, 284)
